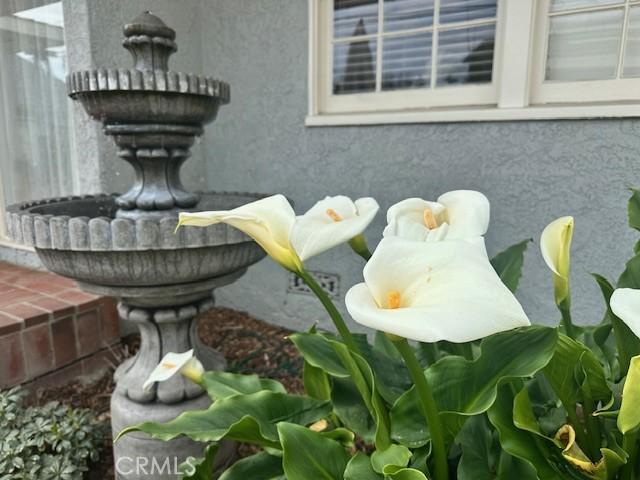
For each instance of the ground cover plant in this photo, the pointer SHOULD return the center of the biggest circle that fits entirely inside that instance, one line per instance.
(49, 442)
(456, 383)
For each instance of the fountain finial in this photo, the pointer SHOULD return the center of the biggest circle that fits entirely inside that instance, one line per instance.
(150, 41)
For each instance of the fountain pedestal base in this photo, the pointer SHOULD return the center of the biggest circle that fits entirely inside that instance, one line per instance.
(138, 457)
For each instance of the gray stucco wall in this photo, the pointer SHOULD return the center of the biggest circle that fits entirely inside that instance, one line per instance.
(532, 172)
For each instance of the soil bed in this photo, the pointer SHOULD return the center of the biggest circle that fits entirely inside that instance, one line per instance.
(248, 344)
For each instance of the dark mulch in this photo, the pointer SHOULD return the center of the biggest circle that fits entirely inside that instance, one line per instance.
(249, 345)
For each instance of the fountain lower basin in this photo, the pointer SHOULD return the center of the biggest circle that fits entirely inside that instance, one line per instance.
(78, 237)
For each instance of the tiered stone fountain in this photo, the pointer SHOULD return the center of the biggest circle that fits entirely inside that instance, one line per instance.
(125, 246)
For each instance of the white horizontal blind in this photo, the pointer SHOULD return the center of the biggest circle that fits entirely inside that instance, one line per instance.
(589, 51)
(390, 45)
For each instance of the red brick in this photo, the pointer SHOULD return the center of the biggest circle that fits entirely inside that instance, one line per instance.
(110, 321)
(57, 308)
(38, 350)
(83, 301)
(64, 341)
(9, 324)
(88, 330)
(12, 367)
(16, 295)
(30, 314)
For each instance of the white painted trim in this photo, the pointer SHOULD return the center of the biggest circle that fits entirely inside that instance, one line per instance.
(313, 74)
(480, 114)
(514, 39)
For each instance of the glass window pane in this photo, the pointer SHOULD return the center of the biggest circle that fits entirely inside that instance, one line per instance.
(354, 67)
(352, 18)
(465, 10)
(632, 50)
(35, 114)
(407, 14)
(465, 55)
(559, 5)
(406, 62)
(584, 46)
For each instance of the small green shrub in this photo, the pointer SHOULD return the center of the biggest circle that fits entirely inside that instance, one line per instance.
(52, 442)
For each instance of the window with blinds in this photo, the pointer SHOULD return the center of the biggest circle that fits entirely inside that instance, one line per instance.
(385, 45)
(406, 61)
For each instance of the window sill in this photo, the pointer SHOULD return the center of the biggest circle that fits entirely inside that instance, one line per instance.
(476, 114)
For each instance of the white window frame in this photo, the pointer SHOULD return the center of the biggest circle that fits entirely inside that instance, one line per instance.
(517, 91)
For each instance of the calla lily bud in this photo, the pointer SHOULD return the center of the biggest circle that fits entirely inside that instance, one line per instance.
(629, 416)
(176, 363)
(573, 454)
(555, 245)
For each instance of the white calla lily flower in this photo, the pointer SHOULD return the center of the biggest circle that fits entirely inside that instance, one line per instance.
(433, 291)
(625, 304)
(330, 222)
(458, 214)
(288, 239)
(555, 246)
(176, 363)
(269, 221)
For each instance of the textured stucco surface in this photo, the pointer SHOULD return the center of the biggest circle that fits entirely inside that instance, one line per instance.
(532, 172)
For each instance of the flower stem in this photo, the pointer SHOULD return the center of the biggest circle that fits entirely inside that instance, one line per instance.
(581, 436)
(565, 311)
(429, 407)
(593, 426)
(359, 245)
(338, 321)
(630, 445)
(464, 350)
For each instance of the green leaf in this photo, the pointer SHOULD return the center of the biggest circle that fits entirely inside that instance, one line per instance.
(221, 385)
(202, 468)
(338, 361)
(519, 443)
(629, 417)
(359, 468)
(318, 352)
(462, 388)
(309, 455)
(483, 457)
(348, 405)
(261, 465)
(382, 343)
(508, 264)
(568, 359)
(395, 455)
(633, 209)
(246, 418)
(316, 382)
(406, 474)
